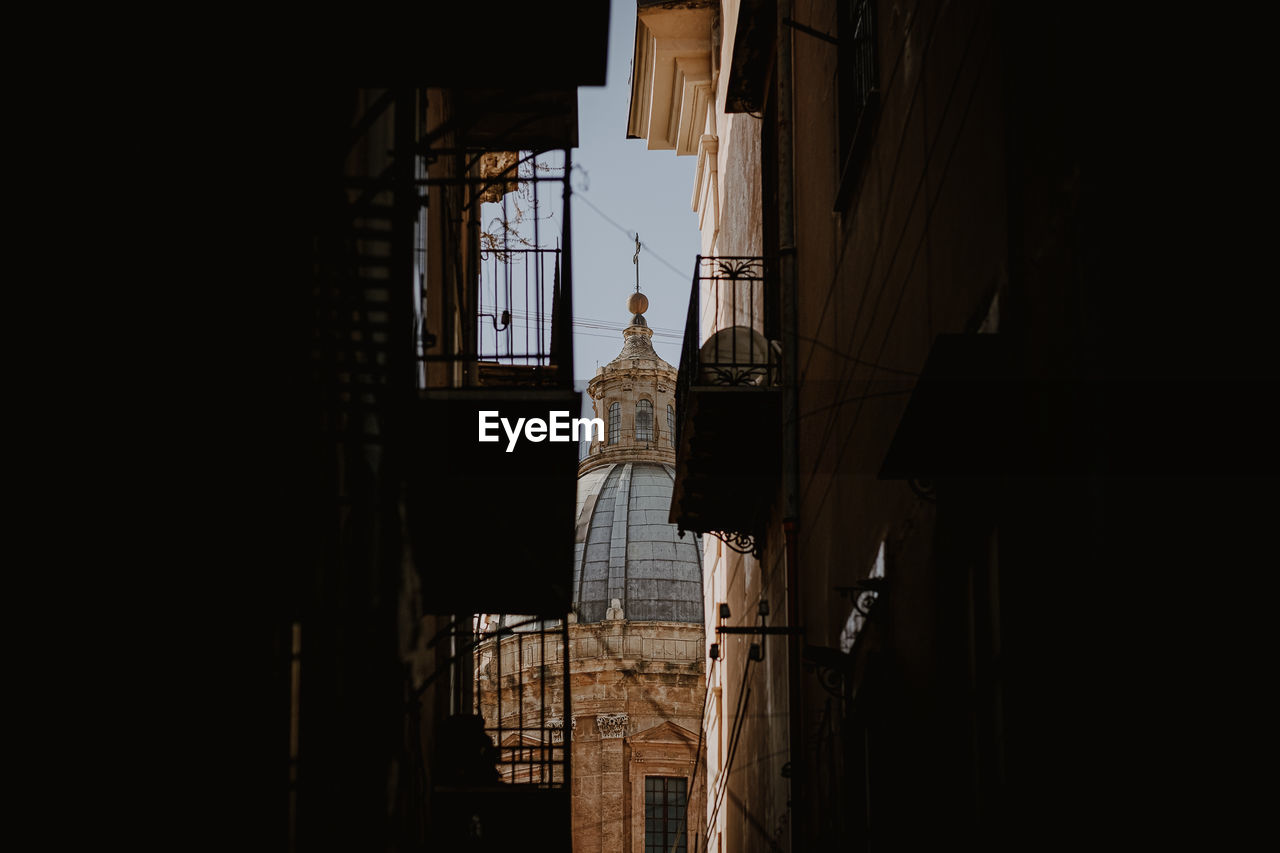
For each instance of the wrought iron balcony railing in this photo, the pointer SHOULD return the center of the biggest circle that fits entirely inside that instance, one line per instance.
(727, 396)
(731, 303)
(511, 302)
(497, 343)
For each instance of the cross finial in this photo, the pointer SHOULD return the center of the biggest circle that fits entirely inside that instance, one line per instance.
(635, 259)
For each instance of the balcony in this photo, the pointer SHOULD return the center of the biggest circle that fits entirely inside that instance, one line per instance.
(728, 399)
(504, 767)
(491, 523)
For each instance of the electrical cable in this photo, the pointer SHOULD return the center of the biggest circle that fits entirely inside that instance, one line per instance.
(915, 194)
(630, 235)
(697, 762)
(744, 694)
(852, 358)
(928, 216)
(835, 276)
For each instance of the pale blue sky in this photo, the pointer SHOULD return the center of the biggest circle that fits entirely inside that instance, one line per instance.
(640, 190)
(620, 186)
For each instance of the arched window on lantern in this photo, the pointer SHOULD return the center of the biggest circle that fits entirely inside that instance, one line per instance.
(671, 424)
(615, 422)
(644, 421)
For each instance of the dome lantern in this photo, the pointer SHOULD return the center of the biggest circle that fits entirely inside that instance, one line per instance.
(634, 394)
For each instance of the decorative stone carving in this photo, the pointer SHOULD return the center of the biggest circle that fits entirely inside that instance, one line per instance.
(614, 610)
(499, 164)
(611, 725)
(556, 725)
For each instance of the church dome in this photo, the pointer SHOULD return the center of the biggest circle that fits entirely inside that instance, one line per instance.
(629, 562)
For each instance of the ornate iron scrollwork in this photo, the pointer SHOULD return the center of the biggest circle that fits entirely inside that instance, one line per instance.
(830, 665)
(736, 268)
(924, 489)
(864, 594)
(832, 680)
(735, 374)
(743, 543)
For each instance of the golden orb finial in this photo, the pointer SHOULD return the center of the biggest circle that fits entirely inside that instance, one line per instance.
(637, 303)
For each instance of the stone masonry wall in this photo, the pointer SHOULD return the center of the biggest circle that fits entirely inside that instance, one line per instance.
(637, 693)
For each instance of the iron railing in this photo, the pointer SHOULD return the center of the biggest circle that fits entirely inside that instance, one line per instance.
(731, 329)
(859, 86)
(516, 292)
(727, 393)
(521, 691)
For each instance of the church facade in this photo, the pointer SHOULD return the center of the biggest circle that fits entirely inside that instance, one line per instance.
(636, 640)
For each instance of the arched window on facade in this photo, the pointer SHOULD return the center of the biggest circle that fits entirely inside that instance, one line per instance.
(644, 421)
(615, 422)
(671, 424)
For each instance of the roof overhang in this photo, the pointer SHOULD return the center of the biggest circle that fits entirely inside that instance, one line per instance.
(671, 74)
(517, 119)
(957, 419)
(531, 45)
(751, 57)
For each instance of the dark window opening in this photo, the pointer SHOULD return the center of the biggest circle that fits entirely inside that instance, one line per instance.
(858, 81)
(665, 799)
(615, 422)
(644, 421)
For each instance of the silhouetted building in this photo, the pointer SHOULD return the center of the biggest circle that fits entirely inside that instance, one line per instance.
(916, 379)
(975, 415)
(369, 308)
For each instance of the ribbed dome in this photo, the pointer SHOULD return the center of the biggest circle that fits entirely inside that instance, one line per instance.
(627, 550)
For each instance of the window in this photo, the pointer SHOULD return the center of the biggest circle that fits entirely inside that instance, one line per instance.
(615, 422)
(671, 424)
(858, 82)
(644, 421)
(665, 798)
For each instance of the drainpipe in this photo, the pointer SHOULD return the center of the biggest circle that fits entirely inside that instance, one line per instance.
(790, 418)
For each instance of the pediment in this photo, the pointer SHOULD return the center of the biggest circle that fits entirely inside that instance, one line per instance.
(667, 732)
(515, 739)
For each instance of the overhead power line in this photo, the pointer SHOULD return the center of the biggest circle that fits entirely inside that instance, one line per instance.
(595, 323)
(630, 232)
